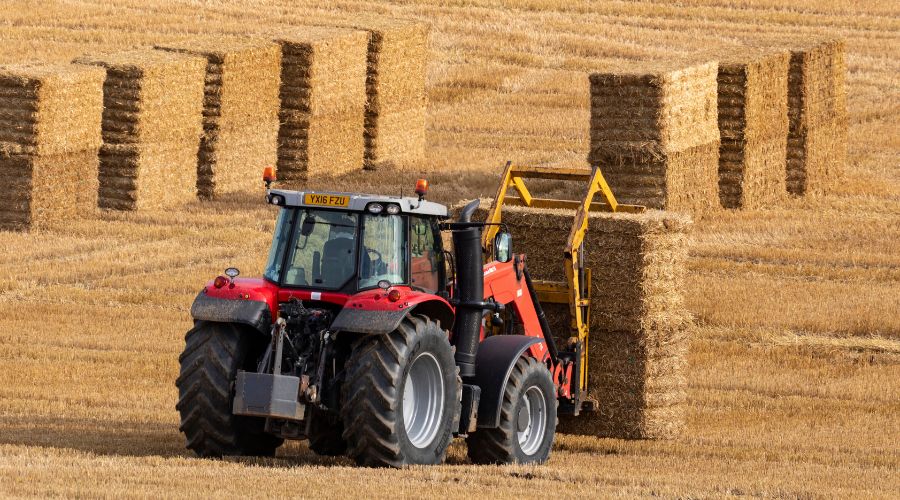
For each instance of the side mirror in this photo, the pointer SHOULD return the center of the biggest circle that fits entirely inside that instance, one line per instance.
(309, 223)
(503, 247)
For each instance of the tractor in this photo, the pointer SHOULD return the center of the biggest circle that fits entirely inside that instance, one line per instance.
(367, 337)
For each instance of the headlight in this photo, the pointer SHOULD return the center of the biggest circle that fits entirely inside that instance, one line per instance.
(376, 208)
(393, 209)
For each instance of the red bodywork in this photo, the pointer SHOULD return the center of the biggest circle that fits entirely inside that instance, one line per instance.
(368, 300)
(502, 282)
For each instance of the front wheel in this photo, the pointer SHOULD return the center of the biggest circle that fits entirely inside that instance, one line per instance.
(527, 420)
(400, 400)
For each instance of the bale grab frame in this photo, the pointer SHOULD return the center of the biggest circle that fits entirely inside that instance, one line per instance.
(576, 291)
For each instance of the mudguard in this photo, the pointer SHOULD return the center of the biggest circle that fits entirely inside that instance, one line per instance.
(496, 358)
(253, 313)
(363, 314)
(370, 322)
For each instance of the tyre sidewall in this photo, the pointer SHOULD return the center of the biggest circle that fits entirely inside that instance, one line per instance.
(536, 375)
(433, 341)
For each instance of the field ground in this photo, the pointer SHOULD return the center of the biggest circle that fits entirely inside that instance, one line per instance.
(794, 377)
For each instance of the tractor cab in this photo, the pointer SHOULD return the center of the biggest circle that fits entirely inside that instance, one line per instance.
(347, 243)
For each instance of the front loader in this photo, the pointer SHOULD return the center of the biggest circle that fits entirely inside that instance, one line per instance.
(367, 337)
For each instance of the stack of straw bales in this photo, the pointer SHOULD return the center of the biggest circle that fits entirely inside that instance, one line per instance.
(817, 97)
(638, 319)
(49, 138)
(323, 101)
(396, 99)
(655, 135)
(240, 112)
(753, 124)
(152, 123)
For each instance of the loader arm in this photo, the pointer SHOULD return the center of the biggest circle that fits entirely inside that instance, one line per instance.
(504, 283)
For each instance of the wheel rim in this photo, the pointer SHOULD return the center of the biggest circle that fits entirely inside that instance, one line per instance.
(423, 400)
(535, 408)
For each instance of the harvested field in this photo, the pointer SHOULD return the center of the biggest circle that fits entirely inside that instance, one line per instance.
(753, 124)
(640, 325)
(49, 139)
(152, 123)
(323, 101)
(654, 133)
(791, 381)
(240, 112)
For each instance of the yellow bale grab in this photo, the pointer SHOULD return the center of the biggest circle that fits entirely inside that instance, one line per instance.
(576, 291)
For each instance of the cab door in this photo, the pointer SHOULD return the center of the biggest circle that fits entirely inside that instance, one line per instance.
(426, 255)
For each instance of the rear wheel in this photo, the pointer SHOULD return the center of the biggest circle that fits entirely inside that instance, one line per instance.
(212, 355)
(400, 400)
(527, 419)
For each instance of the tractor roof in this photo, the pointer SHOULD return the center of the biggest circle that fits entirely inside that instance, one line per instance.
(353, 202)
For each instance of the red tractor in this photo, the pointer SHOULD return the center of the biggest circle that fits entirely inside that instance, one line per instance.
(366, 337)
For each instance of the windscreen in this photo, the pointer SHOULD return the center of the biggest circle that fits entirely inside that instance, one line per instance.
(323, 251)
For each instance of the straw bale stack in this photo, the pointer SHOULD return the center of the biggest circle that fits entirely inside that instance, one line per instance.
(49, 138)
(639, 322)
(817, 110)
(395, 87)
(240, 112)
(323, 101)
(753, 124)
(655, 135)
(152, 123)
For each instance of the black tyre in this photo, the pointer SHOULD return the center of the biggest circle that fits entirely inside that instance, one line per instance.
(326, 434)
(400, 399)
(212, 355)
(527, 420)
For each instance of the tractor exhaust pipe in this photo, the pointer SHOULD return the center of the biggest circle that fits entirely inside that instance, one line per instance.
(470, 291)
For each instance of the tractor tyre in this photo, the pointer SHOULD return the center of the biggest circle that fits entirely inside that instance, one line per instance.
(212, 355)
(326, 434)
(400, 399)
(527, 419)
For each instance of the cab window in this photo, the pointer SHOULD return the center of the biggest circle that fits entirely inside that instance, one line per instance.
(383, 252)
(426, 254)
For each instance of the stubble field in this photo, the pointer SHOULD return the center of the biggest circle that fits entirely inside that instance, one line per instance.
(794, 375)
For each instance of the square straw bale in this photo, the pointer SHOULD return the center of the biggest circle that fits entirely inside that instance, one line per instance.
(323, 100)
(663, 106)
(396, 100)
(817, 111)
(49, 109)
(752, 172)
(639, 322)
(654, 133)
(753, 124)
(817, 142)
(815, 158)
(49, 137)
(685, 180)
(147, 176)
(39, 189)
(240, 99)
(152, 124)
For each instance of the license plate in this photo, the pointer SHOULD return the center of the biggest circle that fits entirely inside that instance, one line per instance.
(326, 200)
